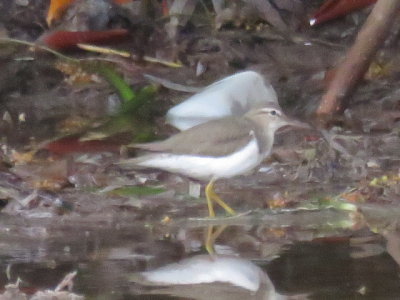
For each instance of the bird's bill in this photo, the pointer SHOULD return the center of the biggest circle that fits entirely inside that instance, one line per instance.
(299, 124)
(295, 123)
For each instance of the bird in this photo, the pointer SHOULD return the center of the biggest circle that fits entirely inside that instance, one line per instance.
(222, 148)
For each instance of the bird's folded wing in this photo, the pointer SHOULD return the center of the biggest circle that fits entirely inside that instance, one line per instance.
(216, 138)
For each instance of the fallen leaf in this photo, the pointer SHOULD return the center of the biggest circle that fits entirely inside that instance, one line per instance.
(76, 74)
(63, 40)
(333, 9)
(57, 9)
(73, 144)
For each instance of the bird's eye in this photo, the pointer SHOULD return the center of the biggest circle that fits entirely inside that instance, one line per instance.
(273, 113)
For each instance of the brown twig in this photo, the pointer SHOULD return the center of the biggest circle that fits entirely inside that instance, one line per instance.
(358, 58)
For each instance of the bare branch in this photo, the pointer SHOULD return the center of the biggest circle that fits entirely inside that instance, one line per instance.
(358, 58)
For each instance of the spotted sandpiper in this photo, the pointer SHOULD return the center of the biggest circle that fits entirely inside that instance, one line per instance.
(221, 148)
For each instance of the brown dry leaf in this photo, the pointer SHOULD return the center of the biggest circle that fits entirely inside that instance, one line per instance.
(277, 232)
(44, 175)
(21, 158)
(354, 197)
(76, 75)
(73, 125)
(278, 201)
(166, 220)
(53, 184)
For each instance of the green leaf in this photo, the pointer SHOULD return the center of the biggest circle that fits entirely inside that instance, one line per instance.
(143, 96)
(122, 87)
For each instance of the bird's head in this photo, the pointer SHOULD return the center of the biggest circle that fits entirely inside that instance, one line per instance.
(273, 118)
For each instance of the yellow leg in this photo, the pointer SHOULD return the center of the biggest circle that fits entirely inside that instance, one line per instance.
(209, 242)
(212, 236)
(209, 193)
(212, 196)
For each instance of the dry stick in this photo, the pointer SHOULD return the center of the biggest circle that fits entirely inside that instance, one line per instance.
(358, 58)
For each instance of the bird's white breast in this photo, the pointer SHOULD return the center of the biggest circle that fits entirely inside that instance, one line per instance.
(207, 167)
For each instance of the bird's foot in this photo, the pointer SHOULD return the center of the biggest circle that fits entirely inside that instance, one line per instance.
(212, 196)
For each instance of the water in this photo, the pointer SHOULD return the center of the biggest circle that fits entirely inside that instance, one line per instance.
(303, 262)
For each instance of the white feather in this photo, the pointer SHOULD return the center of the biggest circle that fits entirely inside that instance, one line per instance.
(207, 167)
(233, 95)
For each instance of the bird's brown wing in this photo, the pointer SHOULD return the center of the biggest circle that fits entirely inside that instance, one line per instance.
(216, 138)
